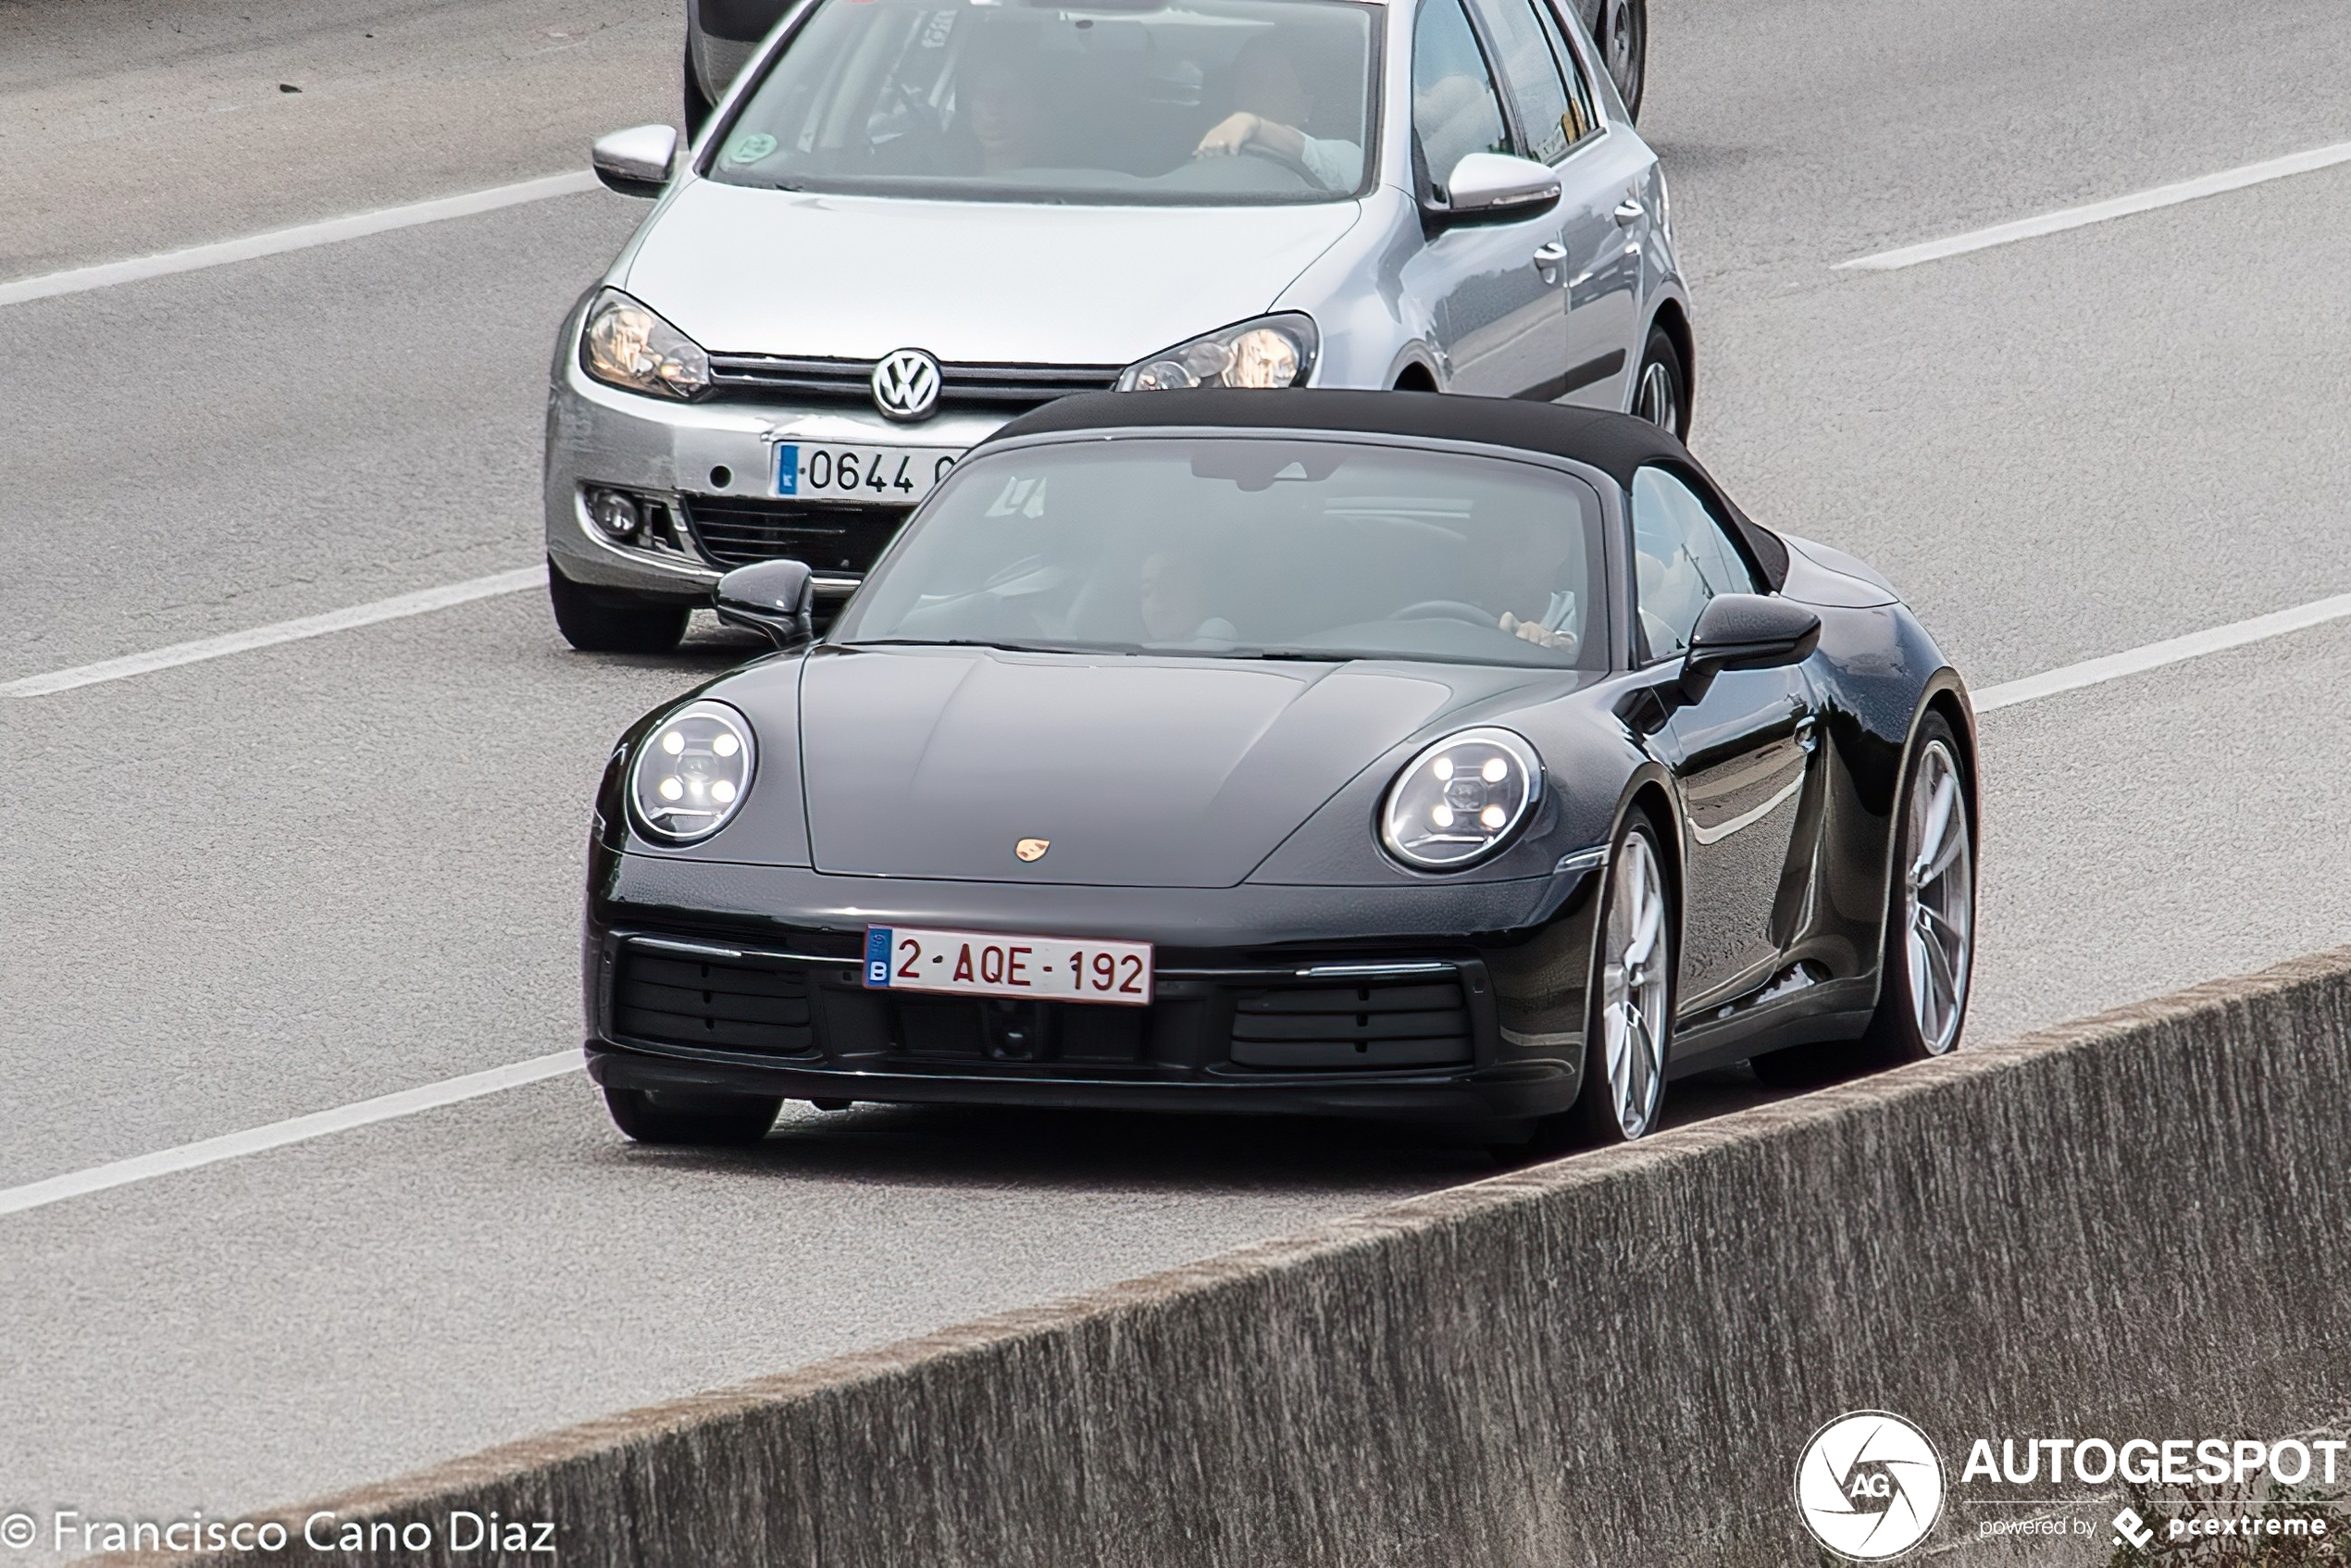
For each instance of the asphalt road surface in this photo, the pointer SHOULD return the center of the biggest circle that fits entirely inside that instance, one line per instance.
(279, 882)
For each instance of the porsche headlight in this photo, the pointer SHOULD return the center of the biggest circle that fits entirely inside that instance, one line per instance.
(691, 773)
(1461, 800)
(1273, 351)
(624, 344)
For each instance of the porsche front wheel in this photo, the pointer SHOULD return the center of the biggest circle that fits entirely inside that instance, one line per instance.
(669, 1115)
(1631, 1024)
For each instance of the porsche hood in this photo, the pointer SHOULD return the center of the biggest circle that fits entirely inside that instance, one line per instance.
(940, 761)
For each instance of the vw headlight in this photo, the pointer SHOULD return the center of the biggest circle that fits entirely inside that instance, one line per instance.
(624, 344)
(1461, 800)
(1273, 351)
(691, 773)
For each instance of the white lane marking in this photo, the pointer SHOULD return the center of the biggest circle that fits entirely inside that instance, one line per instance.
(2155, 655)
(2099, 212)
(2071, 678)
(422, 602)
(277, 1134)
(301, 237)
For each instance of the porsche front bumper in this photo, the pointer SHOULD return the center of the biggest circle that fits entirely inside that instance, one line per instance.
(1317, 1003)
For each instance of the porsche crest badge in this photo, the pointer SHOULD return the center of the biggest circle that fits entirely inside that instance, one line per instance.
(1032, 849)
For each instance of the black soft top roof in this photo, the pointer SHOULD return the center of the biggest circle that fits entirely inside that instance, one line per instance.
(1615, 443)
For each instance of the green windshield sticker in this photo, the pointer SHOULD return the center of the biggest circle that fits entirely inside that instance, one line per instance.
(751, 149)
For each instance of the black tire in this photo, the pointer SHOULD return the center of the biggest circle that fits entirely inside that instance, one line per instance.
(697, 107)
(1623, 38)
(597, 620)
(1661, 389)
(691, 1117)
(1595, 1121)
(1895, 1034)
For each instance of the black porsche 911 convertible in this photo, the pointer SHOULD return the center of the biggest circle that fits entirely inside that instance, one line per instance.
(1382, 753)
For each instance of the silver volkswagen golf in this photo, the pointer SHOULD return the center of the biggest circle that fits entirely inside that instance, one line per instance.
(911, 219)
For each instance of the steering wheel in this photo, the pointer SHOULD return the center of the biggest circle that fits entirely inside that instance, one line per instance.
(1445, 609)
(1256, 149)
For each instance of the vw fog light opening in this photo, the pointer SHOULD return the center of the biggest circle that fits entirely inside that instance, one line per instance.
(691, 773)
(624, 344)
(1273, 351)
(1461, 800)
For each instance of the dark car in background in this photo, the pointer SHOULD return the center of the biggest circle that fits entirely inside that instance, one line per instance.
(721, 34)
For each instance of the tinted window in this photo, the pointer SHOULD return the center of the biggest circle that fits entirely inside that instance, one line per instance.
(1545, 113)
(1455, 111)
(1206, 102)
(1228, 547)
(1583, 118)
(1681, 558)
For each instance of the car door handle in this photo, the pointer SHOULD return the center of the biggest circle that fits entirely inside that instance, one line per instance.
(1628, 212)
(1548, 260)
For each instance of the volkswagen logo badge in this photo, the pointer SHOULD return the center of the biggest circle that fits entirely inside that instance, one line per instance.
(906, 385)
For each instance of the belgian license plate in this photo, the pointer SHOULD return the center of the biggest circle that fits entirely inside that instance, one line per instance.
(882, 476)
(991, 963)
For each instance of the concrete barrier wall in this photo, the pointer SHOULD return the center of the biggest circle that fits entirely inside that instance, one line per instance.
(2141, 1222)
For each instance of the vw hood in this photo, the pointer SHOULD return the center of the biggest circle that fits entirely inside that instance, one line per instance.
(936, 762)
(750, 271)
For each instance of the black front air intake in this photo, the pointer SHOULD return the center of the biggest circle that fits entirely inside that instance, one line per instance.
(722, 1004)
(1367, 1024)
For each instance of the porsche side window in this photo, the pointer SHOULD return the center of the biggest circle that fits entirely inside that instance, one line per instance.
(1455, 110)
(1681, 558)
(1546, 112)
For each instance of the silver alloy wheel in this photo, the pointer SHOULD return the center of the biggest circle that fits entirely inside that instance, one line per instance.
(1622, 48)
(1654, 401)
(1939, 899)
(1633, 986)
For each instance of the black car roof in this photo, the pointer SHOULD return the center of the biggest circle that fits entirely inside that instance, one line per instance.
(1616, 444)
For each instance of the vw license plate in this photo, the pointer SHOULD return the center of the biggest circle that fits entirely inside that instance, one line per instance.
(990, 963)
(882, 476)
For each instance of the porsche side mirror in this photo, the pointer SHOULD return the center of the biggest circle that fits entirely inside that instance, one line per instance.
(1495, 188)
(635, 162)
(777, 598)
(1746, 631)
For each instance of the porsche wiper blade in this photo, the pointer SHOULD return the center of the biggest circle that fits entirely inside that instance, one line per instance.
(969, 642)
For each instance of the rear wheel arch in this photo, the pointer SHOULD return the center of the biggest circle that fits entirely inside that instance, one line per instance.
(1947, 699)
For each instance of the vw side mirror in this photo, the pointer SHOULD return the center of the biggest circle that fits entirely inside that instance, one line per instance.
(1496, 188)
(1746, 631)
(777, 598)
(635, 162)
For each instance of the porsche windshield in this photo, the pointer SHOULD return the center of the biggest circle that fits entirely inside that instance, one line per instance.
(1237, 547)
(1193, 103)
